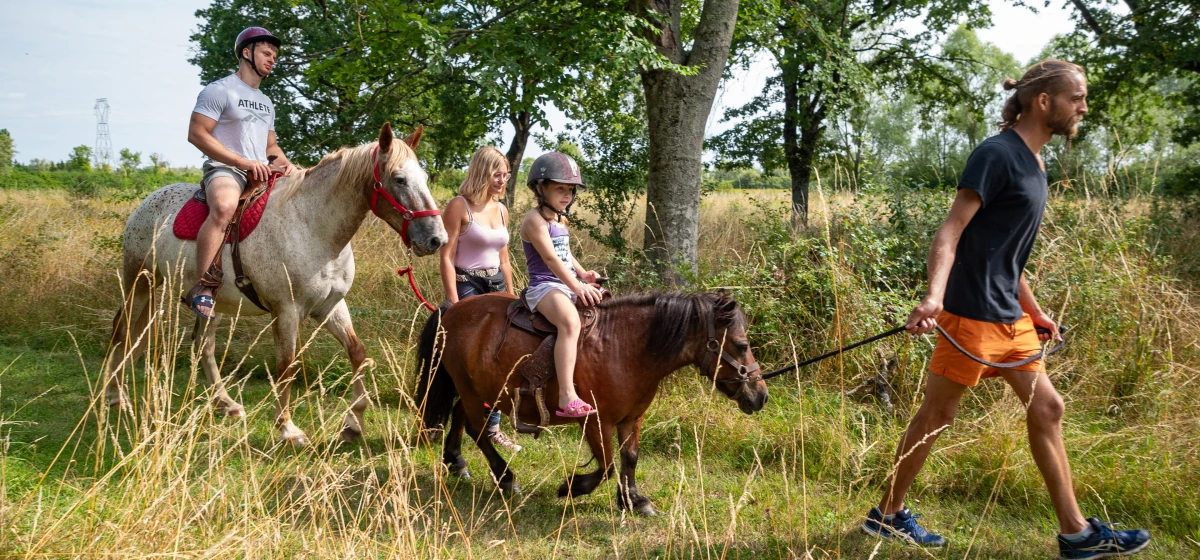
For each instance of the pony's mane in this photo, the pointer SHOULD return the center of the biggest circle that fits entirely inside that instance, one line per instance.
(357, 167)
(678, 317)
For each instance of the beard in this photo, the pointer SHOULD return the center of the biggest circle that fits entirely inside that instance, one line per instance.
(1062, 122)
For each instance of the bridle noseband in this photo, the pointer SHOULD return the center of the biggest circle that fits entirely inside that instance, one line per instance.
(746, 373)
(406, 214)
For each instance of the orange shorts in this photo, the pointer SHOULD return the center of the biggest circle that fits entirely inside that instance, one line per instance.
(994, 342)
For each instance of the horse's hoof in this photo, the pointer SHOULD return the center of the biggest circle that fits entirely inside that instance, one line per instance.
(350, 435)
(510, 489)
(231, 411)
(296, 441)
(462, 473)
(646, 510)
(564, 489)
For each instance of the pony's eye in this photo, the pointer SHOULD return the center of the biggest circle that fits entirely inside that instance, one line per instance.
(401, 180)
(742, 346)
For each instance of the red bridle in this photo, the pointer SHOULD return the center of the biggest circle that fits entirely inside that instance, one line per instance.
(408, 216)
(405, 213)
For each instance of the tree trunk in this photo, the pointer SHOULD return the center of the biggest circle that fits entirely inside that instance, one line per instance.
(677, 109)
(802, 130)
(522, 121)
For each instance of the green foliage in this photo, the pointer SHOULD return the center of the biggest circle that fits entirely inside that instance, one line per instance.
(614, 153)
(824, 72)
(80, 158)
(6, 150)
(121, 186)
(130, 160)
(1129, 45)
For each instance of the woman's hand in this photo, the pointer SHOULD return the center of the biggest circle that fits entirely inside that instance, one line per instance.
(587, 294)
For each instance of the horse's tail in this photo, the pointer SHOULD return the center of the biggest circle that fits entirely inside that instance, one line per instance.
(435, 390)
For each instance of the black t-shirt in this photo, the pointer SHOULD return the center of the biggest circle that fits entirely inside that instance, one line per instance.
(995, 245)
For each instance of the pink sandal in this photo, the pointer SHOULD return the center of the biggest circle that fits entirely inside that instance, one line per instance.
(576, 409)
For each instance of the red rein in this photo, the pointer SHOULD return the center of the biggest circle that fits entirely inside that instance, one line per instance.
(408, 216)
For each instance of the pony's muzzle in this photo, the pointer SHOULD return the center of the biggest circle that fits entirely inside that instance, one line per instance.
(752, 397)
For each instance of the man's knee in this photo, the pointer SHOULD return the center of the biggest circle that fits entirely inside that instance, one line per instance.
(935, 415)
(1047, 409)
(222, 194)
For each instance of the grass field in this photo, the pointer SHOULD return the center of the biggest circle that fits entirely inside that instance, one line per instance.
(792, 481)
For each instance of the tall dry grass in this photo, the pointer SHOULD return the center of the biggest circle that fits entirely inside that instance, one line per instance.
(791, 481)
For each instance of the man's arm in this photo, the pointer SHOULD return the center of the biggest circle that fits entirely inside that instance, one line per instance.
(1030, 305)
(281, 160)
(941, 259)
(200, 135)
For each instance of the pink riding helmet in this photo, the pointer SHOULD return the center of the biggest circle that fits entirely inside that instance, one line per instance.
(253, 34)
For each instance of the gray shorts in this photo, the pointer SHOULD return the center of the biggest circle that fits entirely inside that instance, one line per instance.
(214, 169)
(534, 294)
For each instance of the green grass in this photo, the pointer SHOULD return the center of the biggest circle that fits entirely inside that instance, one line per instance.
(793, 479)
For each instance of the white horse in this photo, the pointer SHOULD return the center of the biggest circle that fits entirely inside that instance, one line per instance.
(298, 258)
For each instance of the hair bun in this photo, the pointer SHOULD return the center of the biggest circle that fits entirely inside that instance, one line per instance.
(1010, 84)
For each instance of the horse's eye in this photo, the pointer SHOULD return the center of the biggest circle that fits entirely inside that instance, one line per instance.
(742, 346)
(401, 180)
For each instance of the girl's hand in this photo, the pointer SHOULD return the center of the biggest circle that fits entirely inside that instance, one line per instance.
(588, 276)
(587, 294)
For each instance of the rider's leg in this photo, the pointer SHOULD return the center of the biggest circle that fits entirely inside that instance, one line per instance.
(558, 308)
(937, 411)
(1044, 410)
(222, 193)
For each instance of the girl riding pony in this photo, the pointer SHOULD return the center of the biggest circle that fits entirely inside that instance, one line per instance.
(556, 279)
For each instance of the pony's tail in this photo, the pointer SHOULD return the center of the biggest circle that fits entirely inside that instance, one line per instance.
(435, 390)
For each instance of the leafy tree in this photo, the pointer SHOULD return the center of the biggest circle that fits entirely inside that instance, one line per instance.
(6, 149)
(678, 100)
(1133, 43)
(828, 55)
(80, 158)
(130, 160)
(158, 162)
(345, 67)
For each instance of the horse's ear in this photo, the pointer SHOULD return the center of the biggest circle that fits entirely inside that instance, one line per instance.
(385, 138)
(415, 138)
(721, 292)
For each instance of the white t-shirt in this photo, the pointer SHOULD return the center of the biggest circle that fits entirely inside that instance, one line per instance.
(244, 116)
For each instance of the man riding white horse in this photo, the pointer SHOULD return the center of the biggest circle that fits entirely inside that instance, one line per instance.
(234, 125)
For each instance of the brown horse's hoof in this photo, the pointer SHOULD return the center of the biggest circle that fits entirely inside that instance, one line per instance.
(350, 435)
(462, 473)
(646, 510)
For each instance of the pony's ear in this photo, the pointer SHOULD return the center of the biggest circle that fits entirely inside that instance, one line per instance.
(721, 291)
(385, 138)
(415, 138)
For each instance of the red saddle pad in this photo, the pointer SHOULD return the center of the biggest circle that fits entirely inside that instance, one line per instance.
(194, 212)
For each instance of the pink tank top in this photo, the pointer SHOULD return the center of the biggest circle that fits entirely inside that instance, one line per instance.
(479, 246)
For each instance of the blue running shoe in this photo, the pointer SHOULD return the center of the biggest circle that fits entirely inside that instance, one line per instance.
(1104, 542)
(903, 526)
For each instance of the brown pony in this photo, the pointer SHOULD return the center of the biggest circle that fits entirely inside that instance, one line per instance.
(636, 342)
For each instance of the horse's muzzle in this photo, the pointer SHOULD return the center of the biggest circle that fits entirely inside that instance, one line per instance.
(752, 397)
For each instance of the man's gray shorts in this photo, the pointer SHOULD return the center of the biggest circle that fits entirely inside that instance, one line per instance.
(213, 169)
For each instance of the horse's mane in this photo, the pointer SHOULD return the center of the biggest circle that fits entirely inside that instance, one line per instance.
(357, 167)
(677, 317)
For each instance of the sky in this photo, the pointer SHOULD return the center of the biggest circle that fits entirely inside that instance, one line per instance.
(59, 57)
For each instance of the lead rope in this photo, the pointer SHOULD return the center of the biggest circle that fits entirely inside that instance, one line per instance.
(897, 330)
(412, 281)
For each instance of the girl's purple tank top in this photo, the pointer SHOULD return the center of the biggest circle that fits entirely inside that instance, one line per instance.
(539, 272)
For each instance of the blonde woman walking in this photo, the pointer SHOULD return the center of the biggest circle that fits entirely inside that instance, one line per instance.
(475, 260)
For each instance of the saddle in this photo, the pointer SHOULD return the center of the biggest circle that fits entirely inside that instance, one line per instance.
(253, 196)
(538, 368)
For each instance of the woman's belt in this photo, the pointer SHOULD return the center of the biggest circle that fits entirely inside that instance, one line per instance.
(460, 275)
